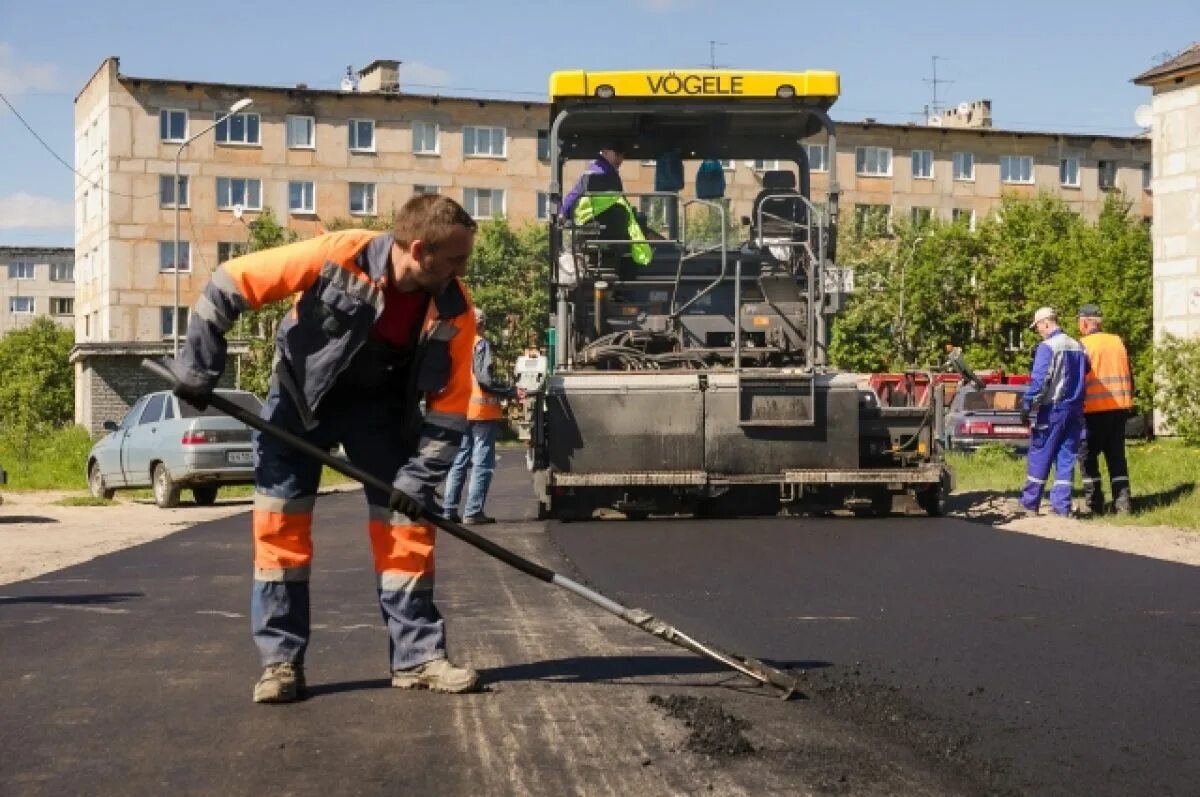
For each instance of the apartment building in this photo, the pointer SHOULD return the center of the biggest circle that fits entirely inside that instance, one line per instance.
(312, 155)
(36, 281)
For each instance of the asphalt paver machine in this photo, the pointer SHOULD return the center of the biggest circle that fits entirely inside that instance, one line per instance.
(697, 382)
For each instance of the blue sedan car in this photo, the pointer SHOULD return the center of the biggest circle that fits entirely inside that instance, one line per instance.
(169, 445)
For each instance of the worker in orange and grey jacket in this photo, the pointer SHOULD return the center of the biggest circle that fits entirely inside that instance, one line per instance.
(478, 449)
(379, 320)
(1107, 404)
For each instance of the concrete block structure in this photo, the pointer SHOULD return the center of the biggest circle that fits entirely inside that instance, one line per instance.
(1176, 189)
(36, 281)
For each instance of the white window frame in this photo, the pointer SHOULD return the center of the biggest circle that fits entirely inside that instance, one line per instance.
(964, 167)
(54, 267)
(471, 140)
(30, 308)
(762, 165)
(166, 251)
(226, 202)
(354, 128)
(425, 189)
(959, 212)
(167, 182)
(1100, 169)
(308, 208)
(820, 163)
(729, 166)
(422, 128)
(920, 215)
(860, 217)
(22, 270)
(1063, 176)
(292, 125)
(542, 206)
(923, 157)
(867, 161)
(471, 197)
(1147, 177)
(369, 191)
(166, 318)
(56, 302)
(226, 125)
(1008, 162)
(167, 112)
(543, 140)
(235, 249)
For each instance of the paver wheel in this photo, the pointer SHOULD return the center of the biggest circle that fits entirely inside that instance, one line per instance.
(96, 485)
(205, 496)
(933, 501)
(166, 492)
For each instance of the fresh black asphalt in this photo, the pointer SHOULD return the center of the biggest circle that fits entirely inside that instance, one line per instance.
(1058, 669)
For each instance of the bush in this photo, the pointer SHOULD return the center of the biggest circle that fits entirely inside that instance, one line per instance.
(1177, 367)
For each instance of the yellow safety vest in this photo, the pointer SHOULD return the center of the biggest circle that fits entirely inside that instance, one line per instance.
(592, 205)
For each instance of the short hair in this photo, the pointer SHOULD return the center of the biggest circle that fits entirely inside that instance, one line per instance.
(480, 316)
(430, 218)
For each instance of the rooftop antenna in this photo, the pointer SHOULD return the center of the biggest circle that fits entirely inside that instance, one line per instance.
(712, 54)
(936, 107)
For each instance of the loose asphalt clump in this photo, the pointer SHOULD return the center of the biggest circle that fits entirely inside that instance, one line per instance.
(712, 731)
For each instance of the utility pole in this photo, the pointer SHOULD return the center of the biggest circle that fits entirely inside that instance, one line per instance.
(935, 106)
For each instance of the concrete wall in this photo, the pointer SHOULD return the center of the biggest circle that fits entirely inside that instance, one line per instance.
(1176, 189)
(42, 288)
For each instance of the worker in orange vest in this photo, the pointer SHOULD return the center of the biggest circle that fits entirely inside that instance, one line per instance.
(478, 449)
(1107, 404)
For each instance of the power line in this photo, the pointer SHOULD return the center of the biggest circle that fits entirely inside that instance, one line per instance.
(58, 158)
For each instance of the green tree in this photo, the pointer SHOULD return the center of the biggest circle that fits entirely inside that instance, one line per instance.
(508, 279)
(1178, 364)
(257, 327)
(37, 391)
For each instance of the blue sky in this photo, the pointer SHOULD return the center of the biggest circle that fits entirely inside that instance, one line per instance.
(1061, 65)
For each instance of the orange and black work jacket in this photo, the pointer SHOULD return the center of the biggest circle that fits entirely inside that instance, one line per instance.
(1109, 377)
(486, 390)
(338, 281)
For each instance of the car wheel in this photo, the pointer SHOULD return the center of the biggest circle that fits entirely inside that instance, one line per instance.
(205, 496)
(166, 492)
(96, 484)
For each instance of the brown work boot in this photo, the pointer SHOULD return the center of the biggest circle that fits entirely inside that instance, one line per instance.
(438, 675)
(280, 683)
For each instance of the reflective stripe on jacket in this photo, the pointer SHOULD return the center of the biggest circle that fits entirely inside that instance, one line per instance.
(337, 280)
(486, 391)
(590, 206)
(1109, 378)
(1059, 371)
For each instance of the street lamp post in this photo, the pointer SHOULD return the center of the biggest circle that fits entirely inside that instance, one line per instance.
(900, 331)
(240, 105)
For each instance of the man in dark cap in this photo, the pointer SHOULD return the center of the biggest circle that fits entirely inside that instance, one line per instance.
(598, 197)
(1107, 403)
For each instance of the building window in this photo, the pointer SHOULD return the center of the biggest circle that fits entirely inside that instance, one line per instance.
(242, 191)
(965, 215)
(483, 142)
(228, 250)
(1146, 176)
(301, 132)
(166, 256)
(20, 271)
(62, 306)
(241, 128)
(543, 145)
(62, 272)
(172, 124)
(362, 199)
(166, 191)
(423, 190)
(728, 166)
(872, 219)
(922, 164)
(964, 166)
(873, 161)
(20, 305)
(1016, 169)
(484, 203)
(763, 165)
(920, 217)
(543, 205)
(362, 135)
(818, 157)
(1108, 174)
(302, 196)
(1068, 172)
(425, 138)
(166, 316)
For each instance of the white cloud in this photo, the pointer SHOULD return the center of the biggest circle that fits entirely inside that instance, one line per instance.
(26, 211)
(415, 73)
(17, 77)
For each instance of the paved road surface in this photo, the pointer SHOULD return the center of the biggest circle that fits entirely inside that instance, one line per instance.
(131, 674)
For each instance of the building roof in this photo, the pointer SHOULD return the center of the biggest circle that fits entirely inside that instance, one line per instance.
(1186, 61)
(35, 251)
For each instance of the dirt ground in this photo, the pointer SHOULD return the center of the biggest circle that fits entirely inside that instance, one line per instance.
(37, 536)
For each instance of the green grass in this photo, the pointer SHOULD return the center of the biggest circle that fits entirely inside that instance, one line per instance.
(83, 500)
(55, 461)
(1165, 475)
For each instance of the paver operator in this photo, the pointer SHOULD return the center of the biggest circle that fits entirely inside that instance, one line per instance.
(380, 320)
(1055, 399)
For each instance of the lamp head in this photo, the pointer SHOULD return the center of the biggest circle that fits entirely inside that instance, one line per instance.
(241, 105)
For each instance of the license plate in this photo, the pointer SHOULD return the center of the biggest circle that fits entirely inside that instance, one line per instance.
(1011, 431)
(240, 457)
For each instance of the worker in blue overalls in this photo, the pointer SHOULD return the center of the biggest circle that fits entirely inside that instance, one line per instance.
(1054, 400)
